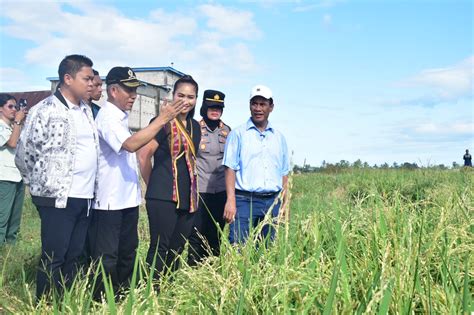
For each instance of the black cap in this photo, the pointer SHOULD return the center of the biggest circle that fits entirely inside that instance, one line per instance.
(211, 98)
(122, 75)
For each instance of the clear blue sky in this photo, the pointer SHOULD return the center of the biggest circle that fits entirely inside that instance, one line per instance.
(382, 81)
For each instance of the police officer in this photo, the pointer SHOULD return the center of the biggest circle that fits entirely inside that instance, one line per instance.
(206, 235)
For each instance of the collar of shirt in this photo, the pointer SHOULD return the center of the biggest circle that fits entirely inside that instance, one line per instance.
(251, 125)
(117, 112)
(9, 126)
(81, 105)
(219, 127)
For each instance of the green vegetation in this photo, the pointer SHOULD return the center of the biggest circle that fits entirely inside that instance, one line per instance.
(359, 241)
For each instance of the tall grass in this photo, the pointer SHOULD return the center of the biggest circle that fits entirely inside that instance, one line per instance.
(362, 241)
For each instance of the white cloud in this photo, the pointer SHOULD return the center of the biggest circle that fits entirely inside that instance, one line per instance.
(458, 128)
(300, 7)
(446, 84)
(10, 77)
(112, 38)
(327, 20)
(230, 22)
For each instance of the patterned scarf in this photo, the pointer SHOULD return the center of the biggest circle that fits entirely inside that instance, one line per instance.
(180, 138)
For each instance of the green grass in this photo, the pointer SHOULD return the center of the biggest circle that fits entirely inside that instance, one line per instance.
(360, 241)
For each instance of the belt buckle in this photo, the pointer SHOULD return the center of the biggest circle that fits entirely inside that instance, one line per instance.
(266, 195)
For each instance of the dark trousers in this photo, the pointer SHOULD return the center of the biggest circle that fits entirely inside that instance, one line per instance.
(113, 237)
(208, 225)
(63, 233)
(170, 228)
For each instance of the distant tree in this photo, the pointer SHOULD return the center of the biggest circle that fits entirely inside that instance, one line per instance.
(366, 165)
(357, 164)
(297, 169)
(395, 165)
(384, 165)
(343, 164)
(409, 166)
(456, 165)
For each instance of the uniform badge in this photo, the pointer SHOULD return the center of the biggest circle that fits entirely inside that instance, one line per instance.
(216, 97)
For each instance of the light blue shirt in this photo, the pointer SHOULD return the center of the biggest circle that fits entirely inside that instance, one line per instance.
(260, 159)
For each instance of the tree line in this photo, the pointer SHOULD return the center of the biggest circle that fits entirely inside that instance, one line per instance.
(358, 164)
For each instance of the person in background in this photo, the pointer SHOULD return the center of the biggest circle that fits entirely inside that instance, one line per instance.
(113, 232)
(172, 195)
(96, 93)
(209, 220)
(57, 156)
(12, 189)
(467, 159)
(257, 167)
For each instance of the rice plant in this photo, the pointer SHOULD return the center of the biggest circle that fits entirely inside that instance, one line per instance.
(360, 241)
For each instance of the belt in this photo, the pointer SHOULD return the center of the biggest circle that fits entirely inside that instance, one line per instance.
(256, 194)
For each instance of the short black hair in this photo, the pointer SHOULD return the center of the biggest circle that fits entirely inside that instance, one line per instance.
(71, 65)
(187, 79)
(95, 72)
(4, 98)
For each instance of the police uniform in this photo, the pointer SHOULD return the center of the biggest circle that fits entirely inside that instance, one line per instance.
(211, 181)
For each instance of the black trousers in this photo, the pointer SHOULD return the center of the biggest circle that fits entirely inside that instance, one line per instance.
(170, 228)
(63, 234)
(113, 237)
(207, 229)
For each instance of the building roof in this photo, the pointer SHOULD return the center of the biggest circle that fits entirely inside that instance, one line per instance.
(32, 97)
(170, 69)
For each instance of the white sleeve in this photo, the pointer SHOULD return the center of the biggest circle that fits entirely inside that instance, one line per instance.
(112, 132)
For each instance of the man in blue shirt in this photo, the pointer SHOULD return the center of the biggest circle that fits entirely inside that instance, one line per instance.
(257, 167)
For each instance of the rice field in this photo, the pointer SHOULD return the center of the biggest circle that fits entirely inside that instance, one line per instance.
(357, 241)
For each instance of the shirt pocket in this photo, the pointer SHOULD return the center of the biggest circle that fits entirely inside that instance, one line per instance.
(222, 141)
(204, 146)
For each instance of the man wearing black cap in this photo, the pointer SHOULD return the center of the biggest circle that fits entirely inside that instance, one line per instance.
(209, 216)
(113, 232)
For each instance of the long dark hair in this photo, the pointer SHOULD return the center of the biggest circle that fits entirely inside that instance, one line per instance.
(187, 79)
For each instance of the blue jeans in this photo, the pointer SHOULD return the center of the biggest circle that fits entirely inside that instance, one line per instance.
(251, 211)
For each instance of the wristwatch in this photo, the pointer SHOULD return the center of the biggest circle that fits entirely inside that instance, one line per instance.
(17, 122)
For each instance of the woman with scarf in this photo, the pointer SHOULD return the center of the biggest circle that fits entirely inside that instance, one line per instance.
(172, 193)
(209, 221)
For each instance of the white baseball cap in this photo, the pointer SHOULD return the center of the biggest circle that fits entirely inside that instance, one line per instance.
(261, 90)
